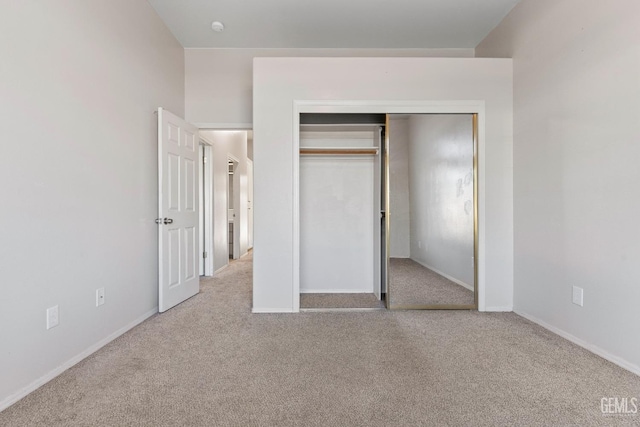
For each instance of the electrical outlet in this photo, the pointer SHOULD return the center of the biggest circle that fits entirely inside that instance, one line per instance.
(53, 317)
(578, 296)
(99, 297)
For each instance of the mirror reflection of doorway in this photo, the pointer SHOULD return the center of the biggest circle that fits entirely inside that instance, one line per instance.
(432, 199)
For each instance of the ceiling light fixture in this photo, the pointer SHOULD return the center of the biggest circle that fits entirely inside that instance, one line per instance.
(217, 26)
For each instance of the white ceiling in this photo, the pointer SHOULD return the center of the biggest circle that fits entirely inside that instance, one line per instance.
(333, 23)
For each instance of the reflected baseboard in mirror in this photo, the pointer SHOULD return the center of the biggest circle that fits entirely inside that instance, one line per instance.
(415, 284)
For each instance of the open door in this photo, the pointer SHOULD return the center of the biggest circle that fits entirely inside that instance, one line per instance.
(177, 210)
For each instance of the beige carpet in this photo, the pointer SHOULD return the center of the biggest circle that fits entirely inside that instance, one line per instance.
(411, 283)
(340, 301)
(210, 362)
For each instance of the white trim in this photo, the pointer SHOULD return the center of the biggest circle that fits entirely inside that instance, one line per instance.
(271, 310)
(250, 211)
(10, 400)
(584, 344)
(499, 309)
(209, 217)
(336, 291)
(297, 109)
(390, 107)
(445, 275)
(209, 230)
(202, 264)
(224, 126)
(206, 181)
(221, 268)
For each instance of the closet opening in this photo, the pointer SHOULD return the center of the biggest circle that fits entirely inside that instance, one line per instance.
(341, 211)
(388, 211)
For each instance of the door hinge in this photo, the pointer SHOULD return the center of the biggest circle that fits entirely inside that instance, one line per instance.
(204, 254)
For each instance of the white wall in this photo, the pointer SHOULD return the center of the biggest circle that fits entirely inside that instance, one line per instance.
(576, 151)
(225, 144)
(336, 224)
(278, 82)
(399, 217)
(441, 193)
(79, 83)
(219, 82)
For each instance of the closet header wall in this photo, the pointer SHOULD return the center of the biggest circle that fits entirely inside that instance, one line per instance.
(283, 88)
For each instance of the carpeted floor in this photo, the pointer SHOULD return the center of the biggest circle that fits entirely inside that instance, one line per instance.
(340, 301)
(210, 362)
(411, 283)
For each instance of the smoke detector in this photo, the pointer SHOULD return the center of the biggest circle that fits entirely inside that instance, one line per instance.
(217, 26)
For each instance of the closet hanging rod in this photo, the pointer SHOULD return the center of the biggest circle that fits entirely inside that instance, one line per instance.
(339, 151)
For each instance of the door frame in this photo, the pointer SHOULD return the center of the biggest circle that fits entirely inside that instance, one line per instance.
(207, 222)
(249, 204)
(476, 107)
(236, 206)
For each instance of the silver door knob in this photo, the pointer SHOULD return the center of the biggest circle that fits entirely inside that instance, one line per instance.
(164, 221)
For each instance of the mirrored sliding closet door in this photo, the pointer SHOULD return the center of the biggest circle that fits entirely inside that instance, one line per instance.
(431, 211)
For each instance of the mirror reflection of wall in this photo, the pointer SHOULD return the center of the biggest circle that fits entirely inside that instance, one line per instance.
(431, 211)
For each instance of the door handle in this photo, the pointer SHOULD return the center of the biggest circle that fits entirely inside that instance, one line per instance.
(164, 221)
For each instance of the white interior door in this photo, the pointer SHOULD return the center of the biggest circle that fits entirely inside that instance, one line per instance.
(177, 210)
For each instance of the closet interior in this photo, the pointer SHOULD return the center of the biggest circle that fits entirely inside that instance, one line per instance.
(340, 202)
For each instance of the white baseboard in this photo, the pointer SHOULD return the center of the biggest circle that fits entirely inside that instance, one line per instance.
(10, 400)
(336, 291)
(584, 344)
(271, 310)
(499, 309)
(453, 279)
(220, 269)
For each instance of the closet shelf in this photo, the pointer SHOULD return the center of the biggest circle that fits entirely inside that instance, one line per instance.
(339, 151)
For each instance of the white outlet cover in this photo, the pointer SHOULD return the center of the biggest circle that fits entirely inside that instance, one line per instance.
(53, 317)
(578, 296)
(99, 297)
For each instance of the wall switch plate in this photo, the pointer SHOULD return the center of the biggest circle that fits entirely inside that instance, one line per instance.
(578, 296)
(53, 317)
(99, 297)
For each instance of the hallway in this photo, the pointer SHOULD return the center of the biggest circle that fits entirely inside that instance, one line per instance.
(209, 361)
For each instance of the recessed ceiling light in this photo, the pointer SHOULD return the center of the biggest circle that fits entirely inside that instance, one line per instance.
(217, 26)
